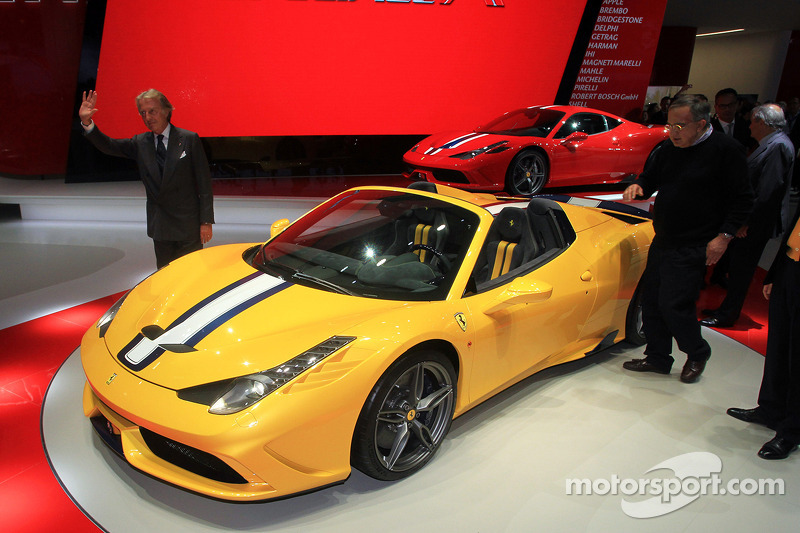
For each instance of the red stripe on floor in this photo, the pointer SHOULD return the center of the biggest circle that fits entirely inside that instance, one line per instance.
(751, 328)
(31, 499)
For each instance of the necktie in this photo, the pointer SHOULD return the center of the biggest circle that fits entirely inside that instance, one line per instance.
(161, 154)
(794, 243)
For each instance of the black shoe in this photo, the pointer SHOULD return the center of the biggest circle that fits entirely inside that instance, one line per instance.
(709, 312)
(692, 370)
(643, 365)
(777, 448)
(753, 416)
(714, 322)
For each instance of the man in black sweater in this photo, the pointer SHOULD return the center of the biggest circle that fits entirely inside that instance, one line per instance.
(704, 197)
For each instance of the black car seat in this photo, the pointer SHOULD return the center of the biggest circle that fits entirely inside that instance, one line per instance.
(419, 228)
(547, 232)
(509, 244)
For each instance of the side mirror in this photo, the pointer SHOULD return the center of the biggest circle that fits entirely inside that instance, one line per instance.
(278, 226)
(521, 291)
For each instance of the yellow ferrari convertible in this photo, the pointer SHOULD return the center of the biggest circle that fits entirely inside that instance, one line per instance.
(355, 335)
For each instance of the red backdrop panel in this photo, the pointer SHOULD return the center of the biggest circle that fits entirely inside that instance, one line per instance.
(40, 48)
(325, 67)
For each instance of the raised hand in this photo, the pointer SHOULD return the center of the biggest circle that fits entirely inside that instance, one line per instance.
(88, 109)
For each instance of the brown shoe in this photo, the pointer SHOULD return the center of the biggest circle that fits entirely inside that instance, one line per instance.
(692, 370)
(643, 365)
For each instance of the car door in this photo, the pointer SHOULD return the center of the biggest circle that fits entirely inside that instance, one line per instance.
(586, 149)
(513, 339)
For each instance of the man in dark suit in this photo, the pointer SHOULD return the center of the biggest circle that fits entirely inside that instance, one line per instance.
(770, 172)
(779, 396)
(725, 120)
(174, 169)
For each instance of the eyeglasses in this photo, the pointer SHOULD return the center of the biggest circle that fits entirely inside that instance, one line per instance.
(678, 126)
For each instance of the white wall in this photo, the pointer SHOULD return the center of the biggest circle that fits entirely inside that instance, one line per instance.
(750, 63)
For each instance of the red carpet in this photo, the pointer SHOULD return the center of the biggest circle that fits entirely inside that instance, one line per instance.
(31, 499)
(751, 328)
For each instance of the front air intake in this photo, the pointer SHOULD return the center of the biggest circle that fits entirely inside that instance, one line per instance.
(191, 459)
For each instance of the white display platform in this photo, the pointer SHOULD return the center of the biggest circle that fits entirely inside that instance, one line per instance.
(503, 467)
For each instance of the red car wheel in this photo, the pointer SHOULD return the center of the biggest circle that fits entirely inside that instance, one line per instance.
(527, 174)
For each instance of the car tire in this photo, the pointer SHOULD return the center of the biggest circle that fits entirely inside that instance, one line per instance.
(399, 429)
(634, 330)
(527, 174)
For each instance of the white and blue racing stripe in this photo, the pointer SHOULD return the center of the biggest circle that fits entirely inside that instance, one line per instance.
(455, 143)
(198, 322)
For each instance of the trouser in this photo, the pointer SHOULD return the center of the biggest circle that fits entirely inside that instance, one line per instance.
(168, 251)
(744, 256)
(779, 397)
(671, 285)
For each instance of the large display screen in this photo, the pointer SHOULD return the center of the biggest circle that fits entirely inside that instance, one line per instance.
(332, 67)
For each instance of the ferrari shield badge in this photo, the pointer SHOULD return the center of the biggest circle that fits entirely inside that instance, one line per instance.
(111, 378)
(461, 320)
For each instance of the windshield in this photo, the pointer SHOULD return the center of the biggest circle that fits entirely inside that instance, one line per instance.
(528, 122)
(377, 244)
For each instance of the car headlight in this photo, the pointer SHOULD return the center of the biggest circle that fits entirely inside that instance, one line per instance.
(233, 395)
(105, 321)
(491, 149)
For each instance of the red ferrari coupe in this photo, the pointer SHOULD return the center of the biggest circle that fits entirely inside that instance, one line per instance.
(540, 146)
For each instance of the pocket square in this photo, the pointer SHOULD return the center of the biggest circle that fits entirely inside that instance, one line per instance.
(183, 154)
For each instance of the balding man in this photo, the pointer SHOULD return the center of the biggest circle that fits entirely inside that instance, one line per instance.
(770, 169)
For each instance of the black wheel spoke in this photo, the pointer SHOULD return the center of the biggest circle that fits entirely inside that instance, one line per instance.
(433, 400)
(394, 417)
(424, 434)
(419, 384)
(398, 446)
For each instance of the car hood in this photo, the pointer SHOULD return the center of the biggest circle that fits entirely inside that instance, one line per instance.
(199, 321)
(451, 143)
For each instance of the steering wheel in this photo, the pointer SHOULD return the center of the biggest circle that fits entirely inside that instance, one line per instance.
(444, 263)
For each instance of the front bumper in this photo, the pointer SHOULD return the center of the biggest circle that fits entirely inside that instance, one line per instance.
(295, 441)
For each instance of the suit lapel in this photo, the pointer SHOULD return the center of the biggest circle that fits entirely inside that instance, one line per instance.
(174, 150)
